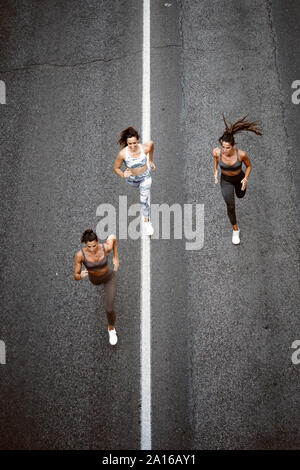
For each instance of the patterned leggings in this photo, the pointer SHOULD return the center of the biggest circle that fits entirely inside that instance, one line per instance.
(145, 186)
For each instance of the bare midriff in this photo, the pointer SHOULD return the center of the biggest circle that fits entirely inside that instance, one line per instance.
(138, 171)
(231, 173)
(99, 272)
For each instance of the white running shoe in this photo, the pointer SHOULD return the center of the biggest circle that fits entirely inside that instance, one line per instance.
(148, 228)
(113, 339)
(236, 237)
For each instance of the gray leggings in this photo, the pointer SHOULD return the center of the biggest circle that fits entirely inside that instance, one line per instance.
(229, 185)
(109, 280)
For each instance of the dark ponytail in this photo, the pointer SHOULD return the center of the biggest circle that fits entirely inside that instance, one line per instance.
(89, 236)
(238, 126)
(127, 134)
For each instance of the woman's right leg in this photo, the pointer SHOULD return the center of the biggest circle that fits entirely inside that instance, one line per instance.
(227, 189)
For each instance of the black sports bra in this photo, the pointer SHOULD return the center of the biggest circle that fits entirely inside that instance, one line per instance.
(94, 266)
(236, 166)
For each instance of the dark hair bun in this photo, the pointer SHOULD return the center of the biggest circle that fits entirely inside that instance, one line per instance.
(88, 236)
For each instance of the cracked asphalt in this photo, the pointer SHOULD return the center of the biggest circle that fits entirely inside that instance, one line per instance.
(63, 386)
(223, 317)
(243, 301)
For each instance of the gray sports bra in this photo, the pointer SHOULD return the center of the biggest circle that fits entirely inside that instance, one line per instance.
(94, 266)
(236, 166)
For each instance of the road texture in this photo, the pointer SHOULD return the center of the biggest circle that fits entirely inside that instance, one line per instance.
(73, 78)
(243, 300)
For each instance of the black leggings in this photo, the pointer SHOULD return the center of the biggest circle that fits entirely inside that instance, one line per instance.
(229, 184)
(109, 280)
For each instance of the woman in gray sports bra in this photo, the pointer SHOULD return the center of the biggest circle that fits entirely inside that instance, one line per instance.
(230, 159)
(94, 256)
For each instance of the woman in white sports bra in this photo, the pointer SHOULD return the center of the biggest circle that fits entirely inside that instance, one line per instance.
(137, 173)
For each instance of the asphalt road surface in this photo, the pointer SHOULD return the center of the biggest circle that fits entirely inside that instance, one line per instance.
(223, 317)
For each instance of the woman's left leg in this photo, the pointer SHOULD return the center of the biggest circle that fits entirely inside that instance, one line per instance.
(145, 188)
(110, 288)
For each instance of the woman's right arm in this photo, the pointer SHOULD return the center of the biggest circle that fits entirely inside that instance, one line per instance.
(117, 167)
(78, 275)
(118, 164)
(216, 156)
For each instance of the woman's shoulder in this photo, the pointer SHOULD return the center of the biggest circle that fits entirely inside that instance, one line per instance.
(79, 254)
(216, 152)
(146, 146)
(242, 153)
(108, 244)
(122, 152)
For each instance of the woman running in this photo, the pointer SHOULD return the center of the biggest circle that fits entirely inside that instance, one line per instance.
(230, 160)
(94, 256)
(137, 173)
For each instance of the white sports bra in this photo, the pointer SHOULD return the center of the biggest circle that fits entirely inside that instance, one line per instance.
(135, 162)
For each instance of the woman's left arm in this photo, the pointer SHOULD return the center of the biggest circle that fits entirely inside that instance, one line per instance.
(149, 148)
(248, 164)
(111, 244)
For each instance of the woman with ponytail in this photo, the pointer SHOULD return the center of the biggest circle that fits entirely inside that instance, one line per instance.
(230, 159)
(94, 256)
(137, 173)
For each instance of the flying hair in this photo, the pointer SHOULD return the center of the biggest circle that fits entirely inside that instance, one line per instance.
(239, 126)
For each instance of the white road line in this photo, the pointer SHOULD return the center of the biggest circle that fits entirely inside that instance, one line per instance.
(145, 254)
(2, 352)
(2, 92)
